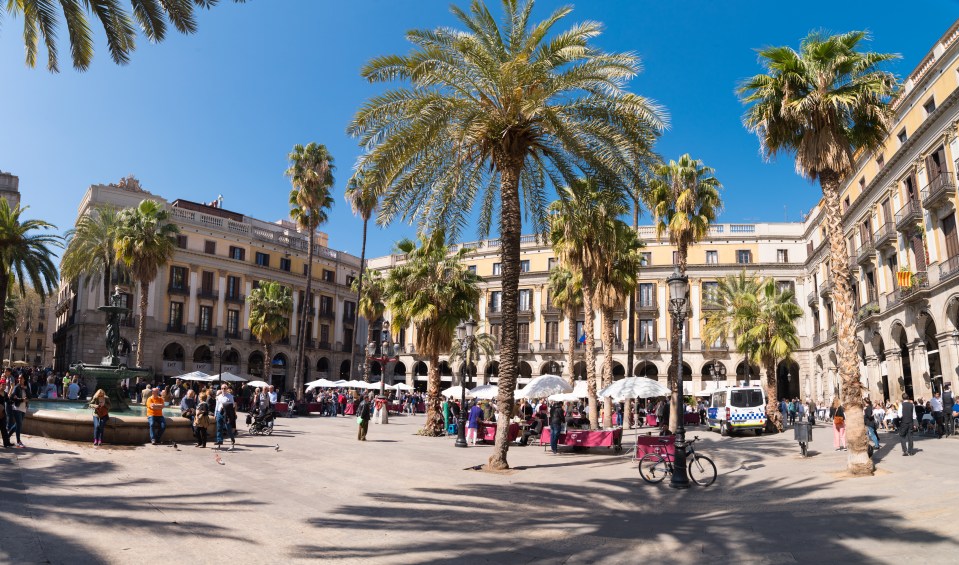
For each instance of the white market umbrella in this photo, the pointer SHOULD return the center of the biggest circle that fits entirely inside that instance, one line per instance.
(320, 383)
(579, 392)
(257, 384)
(455, 392)
(484, 392)
(543, 386)
(402, 386)
(228, 377)
(634, 387)
(196, 376)
(341, 382)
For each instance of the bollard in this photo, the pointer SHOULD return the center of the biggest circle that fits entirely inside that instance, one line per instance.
(803, 434)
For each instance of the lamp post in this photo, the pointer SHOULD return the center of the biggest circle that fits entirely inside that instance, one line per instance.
(678, 291)
(384, 352)
(464, 332)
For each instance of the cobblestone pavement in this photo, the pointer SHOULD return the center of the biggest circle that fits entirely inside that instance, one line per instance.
(400, 498)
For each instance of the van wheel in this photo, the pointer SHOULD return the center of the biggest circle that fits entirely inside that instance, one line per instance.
(759, 432)
(724, 429)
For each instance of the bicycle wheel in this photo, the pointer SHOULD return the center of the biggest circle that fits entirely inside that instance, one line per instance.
(653, 468)
(702, 470)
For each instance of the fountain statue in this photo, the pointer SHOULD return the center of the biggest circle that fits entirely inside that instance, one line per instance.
(113, 369)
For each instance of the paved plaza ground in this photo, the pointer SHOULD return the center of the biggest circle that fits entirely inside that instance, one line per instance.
(400, 498)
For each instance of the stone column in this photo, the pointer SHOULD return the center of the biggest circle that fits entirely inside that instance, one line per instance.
(919, 362)
(873, 377)
(894, 366)
(948, 360)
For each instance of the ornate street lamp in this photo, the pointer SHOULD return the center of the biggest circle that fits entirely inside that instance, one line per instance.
(219, 354)
(678, 298)
(464, 332)
(383, 352)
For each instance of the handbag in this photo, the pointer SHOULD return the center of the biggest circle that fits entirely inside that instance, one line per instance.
(838, 420)
(102, 411)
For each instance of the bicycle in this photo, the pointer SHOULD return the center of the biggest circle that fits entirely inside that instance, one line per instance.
(654, 467)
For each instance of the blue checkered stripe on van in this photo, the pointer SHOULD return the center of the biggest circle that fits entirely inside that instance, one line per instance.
(747, 418)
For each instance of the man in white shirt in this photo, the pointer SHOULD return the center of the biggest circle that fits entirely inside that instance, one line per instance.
(272, 395)
(936, 404)
(224, 406)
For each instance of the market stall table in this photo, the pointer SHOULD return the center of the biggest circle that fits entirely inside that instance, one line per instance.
(487, 431)
(586, 438)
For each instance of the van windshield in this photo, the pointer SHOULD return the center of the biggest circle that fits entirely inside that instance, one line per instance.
(746, 398)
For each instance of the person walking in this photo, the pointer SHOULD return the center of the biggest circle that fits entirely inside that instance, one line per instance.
(5, 408)
(557, 417)
(907, 425)
(19, 401)
(224, 405)
(363, 418)
(472, 423)
(948, 402)
(101, 414)
(870, 418)
(838, 416)
(155, 418)
(201, 421)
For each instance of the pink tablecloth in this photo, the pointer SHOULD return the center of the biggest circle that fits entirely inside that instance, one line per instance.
(487, 431)
(587, 438)
(651, 420)
(652, 444)
(692, 418)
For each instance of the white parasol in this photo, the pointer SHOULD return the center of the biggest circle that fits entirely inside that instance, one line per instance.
(258, 384)
(228, 377)
(402, 386)
(320, 383)
(196, 376)
(543, 386)
(484, 392)
(634, 387)
(579, 392)
(455, 392)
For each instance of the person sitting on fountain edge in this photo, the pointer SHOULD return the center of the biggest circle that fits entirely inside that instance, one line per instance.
(155, 416)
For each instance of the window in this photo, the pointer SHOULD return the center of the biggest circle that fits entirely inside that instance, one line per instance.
(181, 241)
(552, 334)
(881, 160)
(712, 257)
(675, 257)
(39, 345)
(782, 255)
(209, 247)
(237, 253)
(232, 323)
(524, 266)
(786, 286)
(525, 299)
(233, 287)
(176, 316)
(206, 318)
(329, 276)
(746, 398)
(351, 278)
(522, 331)
(178, 278)
(710, 292)
(285, 264)
(496, 330)
(645, 258)
(902, 137)
(845, 204)
(647, 296)
(744, 256)
(929, 106)
(326, 305)
(647, 333)
(550, 263)
(497, 269)
(472, 269)
(580, 332)
(40, 327)
(262, 259)
(349, 310)
(325, 334)
(495, 301)
(206, 283)
(862, 184)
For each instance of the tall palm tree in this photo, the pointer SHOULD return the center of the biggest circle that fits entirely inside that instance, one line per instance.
(41, 20)
(370, 303)
(615, 281)
(363, 201)
(582, 232)
(311, 172)
(684, 201)
(271, 304)
(826, 103)
(26, 256)
(434, 291)
(566, 293)
(492, 114)
(90, 256)
(145, 242)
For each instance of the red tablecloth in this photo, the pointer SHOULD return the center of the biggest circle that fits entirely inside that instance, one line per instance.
(487, 431)
(587, 438)
(313, 407)
(651, 420)
(650, 444)
(281, 407)
(692, 418)
(349, 409)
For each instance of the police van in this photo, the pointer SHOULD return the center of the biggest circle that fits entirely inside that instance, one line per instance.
(737, 408)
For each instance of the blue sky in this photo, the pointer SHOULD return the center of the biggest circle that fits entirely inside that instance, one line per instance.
(218, 112)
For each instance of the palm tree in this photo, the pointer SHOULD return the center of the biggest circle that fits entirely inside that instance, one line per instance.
(827, 103)
(41, 20)
(434, 291)
(684, 201)
(311, 172)
(145, 242)
(494, 113)
(370, 303)
(271, 304)
(363, 201)
(484, 344)
(90, 256)
(566, 293)
(582, 231)
(25, 256)
(615, 281)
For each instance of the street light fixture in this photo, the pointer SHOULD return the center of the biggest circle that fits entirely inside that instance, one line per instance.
(464, 332)
(384, 352)
(678, 298)
(219, 354)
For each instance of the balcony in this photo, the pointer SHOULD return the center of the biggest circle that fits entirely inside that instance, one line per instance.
(647, 305)
(328, 314)
(940, 191)
(235, 298)
(948, 268)
(853, 265)
(208, 332)
(812, 298)
(176, 328)
(710, 304)
(825, 287)
(346, 347)
(208, 293)
(647, 346)
(231, 334)
(348, 317)
(311, 344)
(183, 290)
(816, 339)
(551, 309)
(868, 312)
(283, 341)
(885, 235)
(326, 346)
(720, 348)
(918, 290)
(299, 310)
(865, 253)
(908, 216)
(128, 321)
(551, 347)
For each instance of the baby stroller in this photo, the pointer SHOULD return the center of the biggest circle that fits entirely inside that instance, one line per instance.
(261, 425)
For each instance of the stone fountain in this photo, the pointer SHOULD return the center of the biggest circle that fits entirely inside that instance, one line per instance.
(112, 369)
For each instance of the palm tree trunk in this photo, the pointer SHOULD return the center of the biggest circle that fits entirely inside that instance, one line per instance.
(590, 352)
(571, 348)
(774, 418)
(858, 462)
(268, 363)
(304, 316)
(434, 415)
(359, 295)
(511, 224)
(607, 365)
(141, 323)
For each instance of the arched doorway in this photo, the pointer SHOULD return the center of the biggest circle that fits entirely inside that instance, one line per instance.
(399, 372)
(647, 369)
(746, 373)
(491, 373)
(899, 339)
(278, 369)
(254, 364)
(619, 372)
(713, 375)
(787, 379)
(687, 375)
(446, 372)
(932, 354)
(880, 347)
(376, 370)
(345, 370)
(579, 371)
(173, 356)
(323, 367)
(525, 371)
(470, 376)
